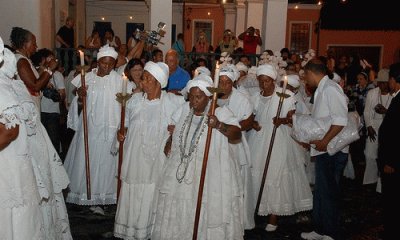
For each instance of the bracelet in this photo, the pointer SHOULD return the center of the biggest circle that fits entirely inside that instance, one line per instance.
(48, 71)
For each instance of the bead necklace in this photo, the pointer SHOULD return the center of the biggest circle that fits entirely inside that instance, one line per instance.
(186, 158)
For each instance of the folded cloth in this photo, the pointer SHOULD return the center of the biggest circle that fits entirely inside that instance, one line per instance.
(306, 129)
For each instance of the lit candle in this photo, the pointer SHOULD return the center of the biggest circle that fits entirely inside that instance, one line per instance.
(124, 84)
(216, 75)
(285, 81)
(82, 58)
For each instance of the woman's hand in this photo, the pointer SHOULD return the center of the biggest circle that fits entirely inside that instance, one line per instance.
(256, 126)
(213, 121)
(121, 136)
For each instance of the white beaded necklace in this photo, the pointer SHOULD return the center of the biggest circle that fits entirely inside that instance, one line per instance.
(186, 158)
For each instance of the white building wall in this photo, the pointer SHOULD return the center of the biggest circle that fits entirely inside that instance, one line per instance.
(274, 24)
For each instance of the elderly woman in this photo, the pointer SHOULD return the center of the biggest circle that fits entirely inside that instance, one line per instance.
(103, 118)
(220, 216)
(49, 173)
(286, 190)
(25, 44)
(147, 123)
(239, 103)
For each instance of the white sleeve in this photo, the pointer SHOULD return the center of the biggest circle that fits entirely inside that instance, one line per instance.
(369, 109)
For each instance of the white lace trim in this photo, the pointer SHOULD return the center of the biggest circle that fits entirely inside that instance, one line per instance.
(10, 116)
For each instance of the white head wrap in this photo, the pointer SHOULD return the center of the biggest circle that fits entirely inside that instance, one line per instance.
(1, 49)
(160, 72)
(336, 78)
(268, 70)
(241, 67)
(9, 68)
(107, 51)
(202, 81)
(293, 80)
(230, 71)
(202, 70)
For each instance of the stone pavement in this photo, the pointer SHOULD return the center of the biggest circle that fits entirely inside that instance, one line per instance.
(361, 219)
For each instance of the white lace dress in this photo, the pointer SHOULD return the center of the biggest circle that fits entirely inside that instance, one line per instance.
(286, 190)
(51, 177)
(147, 122)
(220, 216)
(20, 215)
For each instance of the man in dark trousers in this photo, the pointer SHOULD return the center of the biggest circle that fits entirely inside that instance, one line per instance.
(65, 37)
(389, 159)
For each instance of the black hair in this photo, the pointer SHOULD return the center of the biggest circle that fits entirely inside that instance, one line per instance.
(110, 31)
(394, 71)
(19, 36)
(316, 66)
(155, 51)
(180, 36)
(133, 62)
(38, 56)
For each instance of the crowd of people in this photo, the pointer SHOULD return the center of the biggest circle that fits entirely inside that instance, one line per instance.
(263, 156)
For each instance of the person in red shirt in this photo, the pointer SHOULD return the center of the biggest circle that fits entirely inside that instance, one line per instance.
(251, 38)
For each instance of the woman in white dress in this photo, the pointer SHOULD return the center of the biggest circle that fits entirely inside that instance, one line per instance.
(103, 118)
(220, 216)
(240, 105)
(51, 177)
(147, 121)
(25, 44)
(286, 190)
(20, 215)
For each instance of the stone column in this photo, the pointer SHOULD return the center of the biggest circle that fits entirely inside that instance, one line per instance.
(240, 19)
(253, 12)
(230, 16)
(273, 29)
(161, 11)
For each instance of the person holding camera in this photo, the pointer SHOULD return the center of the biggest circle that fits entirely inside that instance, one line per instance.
(251, 38)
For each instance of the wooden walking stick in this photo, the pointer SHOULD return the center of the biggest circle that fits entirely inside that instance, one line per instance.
(85, 127)
(206, 151)
(282, 95)
(122, 98)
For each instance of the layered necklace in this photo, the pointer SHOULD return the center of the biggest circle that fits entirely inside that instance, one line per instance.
(187, 156)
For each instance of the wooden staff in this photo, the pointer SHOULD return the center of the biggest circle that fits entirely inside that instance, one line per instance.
(85, 134)
(122, 98)
(282, 97)
(206, 151)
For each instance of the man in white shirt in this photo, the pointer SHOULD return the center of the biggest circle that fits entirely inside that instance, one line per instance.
(329, 101)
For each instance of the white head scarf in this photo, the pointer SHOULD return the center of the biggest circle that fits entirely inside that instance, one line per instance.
(241, 67)
(9, 68)
(230, 71)
(107, 51)
(293, 80)
(202, 70)
(268, 70)
(160, 72)
(202, 81)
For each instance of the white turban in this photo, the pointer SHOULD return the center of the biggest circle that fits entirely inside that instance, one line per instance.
(268, 70)
(383, 75)
(241, 67)
(230, 71)
(202, 81)
(1, 50)
(293, 80)
(9, 67)
(160, 72)
(202, 70)
(107, 51)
